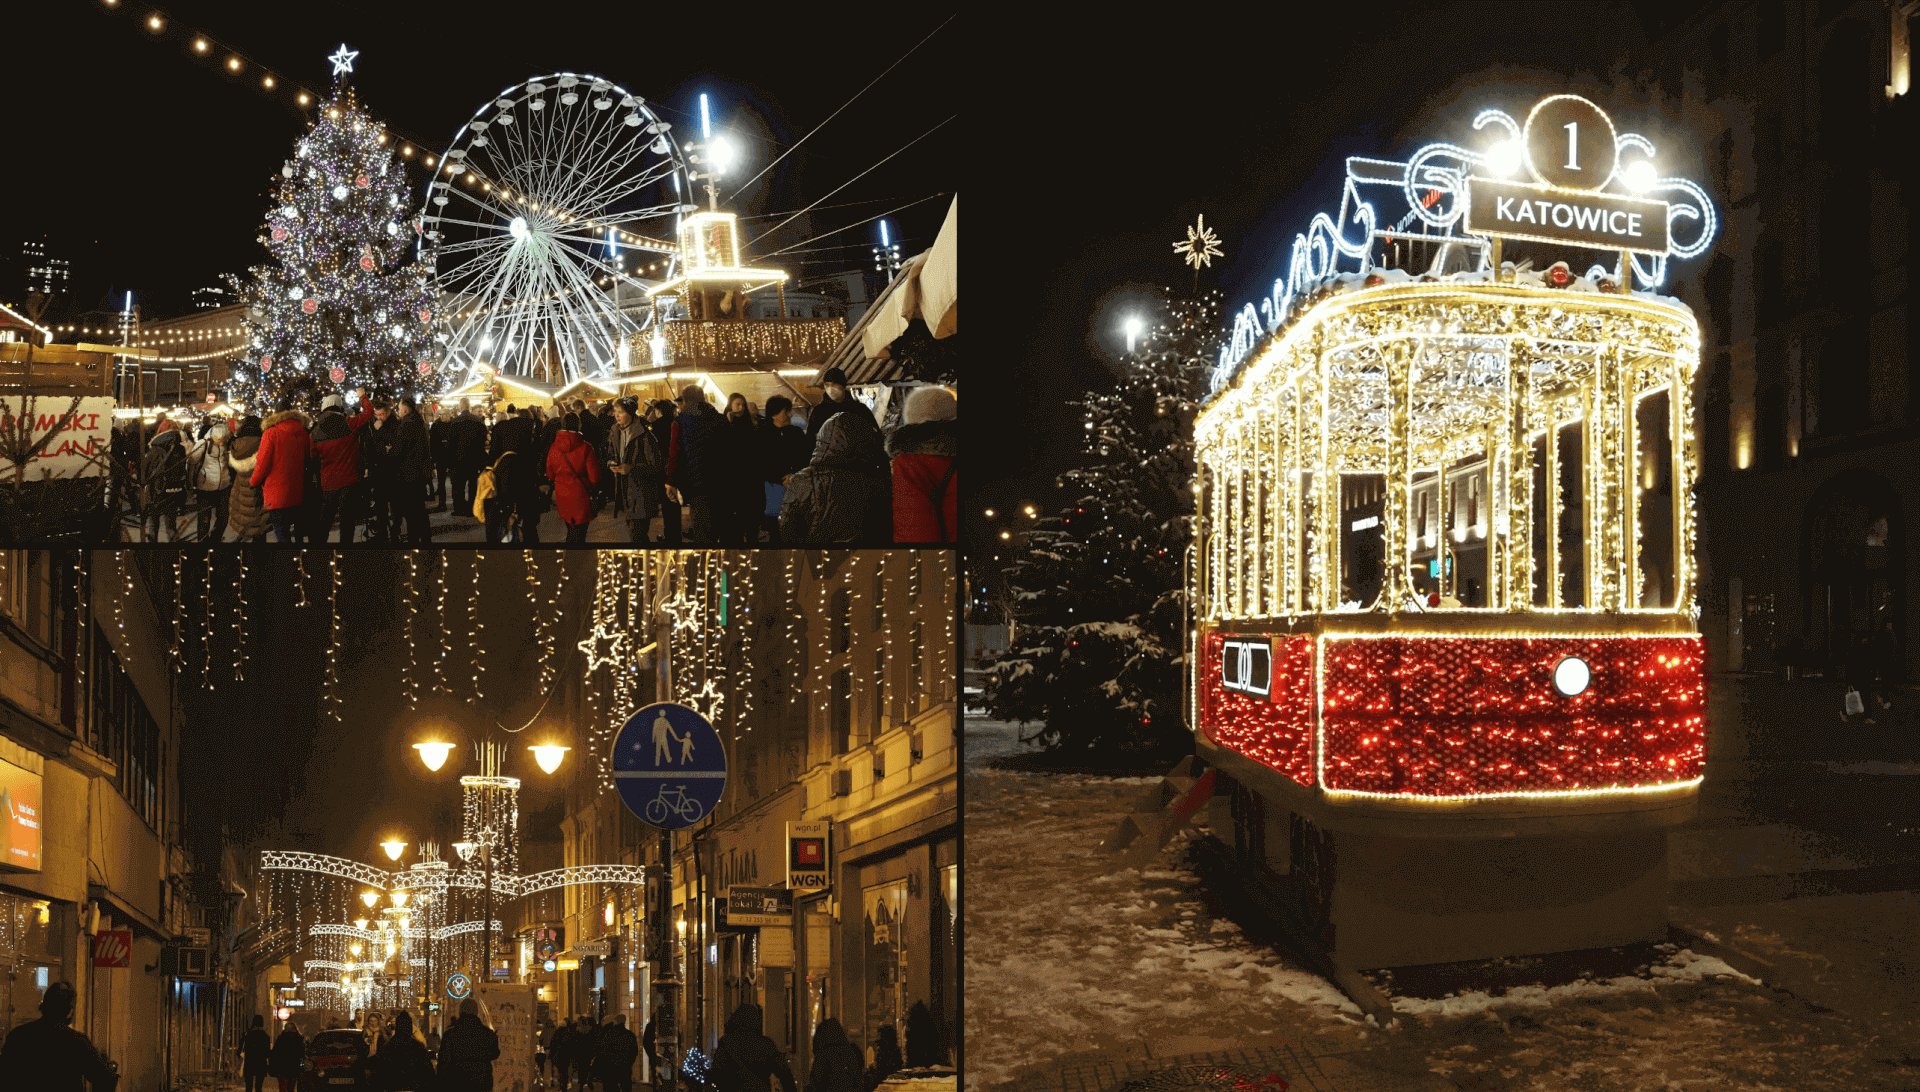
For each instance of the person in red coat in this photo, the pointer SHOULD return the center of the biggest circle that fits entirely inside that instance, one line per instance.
(336, 447)
(926, 488)
(574, 470)
(280, 472)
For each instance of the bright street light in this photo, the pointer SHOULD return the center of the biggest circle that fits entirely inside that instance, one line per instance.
(721, 153)
(394, 849)
(369, 897)
(433, 754)
(466, 849)
(399, 899)
(1504, 158)
(1134, 326)
(549, 756)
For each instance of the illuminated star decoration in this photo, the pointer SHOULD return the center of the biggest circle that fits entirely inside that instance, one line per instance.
(1201, 246)
(342, 59)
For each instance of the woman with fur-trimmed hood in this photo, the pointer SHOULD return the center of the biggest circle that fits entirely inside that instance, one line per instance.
(926, 488)
(246, 513)
(280, 469)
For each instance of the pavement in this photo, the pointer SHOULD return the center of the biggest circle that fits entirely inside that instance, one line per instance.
(1801, 867)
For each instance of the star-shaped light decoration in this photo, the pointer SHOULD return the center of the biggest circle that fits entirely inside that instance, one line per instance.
(1201, 246)
(343, 59)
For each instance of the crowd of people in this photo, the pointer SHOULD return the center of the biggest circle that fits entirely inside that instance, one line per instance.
(674, 472)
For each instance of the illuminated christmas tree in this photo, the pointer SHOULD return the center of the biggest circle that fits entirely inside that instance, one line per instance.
(1097, 594)
(345, 305)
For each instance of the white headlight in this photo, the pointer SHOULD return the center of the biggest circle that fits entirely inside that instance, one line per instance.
(1571, 676)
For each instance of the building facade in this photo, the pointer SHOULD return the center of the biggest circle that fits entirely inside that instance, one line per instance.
(94, 881)
(837, 678)
(1810, 433)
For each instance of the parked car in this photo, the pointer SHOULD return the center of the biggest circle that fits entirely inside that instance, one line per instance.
(336, 1059)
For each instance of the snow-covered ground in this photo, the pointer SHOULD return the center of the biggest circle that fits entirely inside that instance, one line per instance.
(1068, 960)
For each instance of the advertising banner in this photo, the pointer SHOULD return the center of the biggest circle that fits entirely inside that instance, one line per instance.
(20, 810)
(510, 1009)
(807, 854)
(83, 434)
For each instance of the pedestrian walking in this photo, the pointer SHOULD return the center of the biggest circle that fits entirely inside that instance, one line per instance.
(926, 492)
(288, 1057)
(745, 1060)
(542, 1045)
(837, 1064)
(517, 479)
(281, 469)
(560, 1051)
(574, 470)
(378, 441)
(246, 511)
(583, 1048)
(336, 447)
(844, 494)
(838, 400)
(696, 463)
(652, 1047)
(402, 1064)
(660, 416)
(212, 479)
(412, 471)
(614, 1051)
(48, 1054)
(630, 452)
(782, 448)
(164, 481)
(469, 444)
(467, 1052)
(886, 1056)
(255, 1046)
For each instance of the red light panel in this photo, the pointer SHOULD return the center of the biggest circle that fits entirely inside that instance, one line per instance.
(1276, 732)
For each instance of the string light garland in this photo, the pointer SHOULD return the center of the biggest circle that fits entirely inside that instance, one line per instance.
(753, 342)
(476, 629)
(300, 574)
(412, 681)
(333, 645)
(239, 627)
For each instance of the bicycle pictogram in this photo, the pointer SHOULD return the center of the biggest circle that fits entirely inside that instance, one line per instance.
(674, 802)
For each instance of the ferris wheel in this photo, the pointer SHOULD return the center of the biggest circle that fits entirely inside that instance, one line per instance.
(551, 202)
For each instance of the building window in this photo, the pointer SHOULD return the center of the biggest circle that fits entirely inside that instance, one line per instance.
(916, 682)
(842, 609)
(840, 711)
(26, 595)
(122, 729)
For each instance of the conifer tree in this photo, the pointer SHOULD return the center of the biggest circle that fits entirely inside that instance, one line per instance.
(346, 303)
(1097, 593)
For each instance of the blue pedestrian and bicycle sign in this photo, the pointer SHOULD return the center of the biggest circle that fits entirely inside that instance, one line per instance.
(669, 766)
(458, 986)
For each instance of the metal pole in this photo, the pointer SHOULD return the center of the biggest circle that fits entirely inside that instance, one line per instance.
(666, 978)
(486, 919)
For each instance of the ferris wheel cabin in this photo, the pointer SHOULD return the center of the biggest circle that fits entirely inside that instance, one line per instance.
(1443, 634)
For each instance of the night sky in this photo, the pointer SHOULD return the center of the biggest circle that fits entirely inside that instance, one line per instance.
(1247, 121)
(149, 165)
(261, 756)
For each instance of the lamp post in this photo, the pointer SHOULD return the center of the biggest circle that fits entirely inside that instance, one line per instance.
(484, 848)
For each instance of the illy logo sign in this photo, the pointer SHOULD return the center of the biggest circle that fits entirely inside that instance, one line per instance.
(113, 948)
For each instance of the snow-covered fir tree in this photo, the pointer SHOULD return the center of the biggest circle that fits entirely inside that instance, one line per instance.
(345, 304)
(1096, 590)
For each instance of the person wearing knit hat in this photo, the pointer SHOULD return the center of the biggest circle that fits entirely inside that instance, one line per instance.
(926, 486)
(838, 400)
(695, 463)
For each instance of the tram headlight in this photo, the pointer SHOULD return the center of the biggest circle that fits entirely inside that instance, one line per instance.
(1571, 676)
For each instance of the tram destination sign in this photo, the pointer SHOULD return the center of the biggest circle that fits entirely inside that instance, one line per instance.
(1547, 214)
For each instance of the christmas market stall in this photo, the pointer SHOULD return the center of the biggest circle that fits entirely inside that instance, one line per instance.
(56, 420)
(1443, 592)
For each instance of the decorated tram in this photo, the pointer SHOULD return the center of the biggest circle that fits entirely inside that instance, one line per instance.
(1442, 588)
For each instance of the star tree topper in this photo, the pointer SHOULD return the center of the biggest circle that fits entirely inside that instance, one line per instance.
(1201, 246)
(342, 59)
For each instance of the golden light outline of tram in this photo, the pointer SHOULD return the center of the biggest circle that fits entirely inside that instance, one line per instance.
(1442, 601)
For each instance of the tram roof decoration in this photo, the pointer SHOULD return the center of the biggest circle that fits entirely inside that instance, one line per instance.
(1591, 186)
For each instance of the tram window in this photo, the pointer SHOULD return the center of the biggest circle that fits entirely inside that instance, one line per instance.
(1539, 529)
(1573, 515)
(1653, 483)
(1362, 539)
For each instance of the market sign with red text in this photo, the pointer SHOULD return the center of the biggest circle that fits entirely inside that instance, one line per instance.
(78, 449)
(20, 811)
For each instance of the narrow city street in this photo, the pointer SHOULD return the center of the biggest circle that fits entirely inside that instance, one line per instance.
(1802, 857)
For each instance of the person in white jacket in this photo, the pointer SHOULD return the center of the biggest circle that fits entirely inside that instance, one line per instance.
(212, 478)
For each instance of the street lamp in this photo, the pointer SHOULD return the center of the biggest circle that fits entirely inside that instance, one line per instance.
(548, 756)
(399, 897)
(369, 897)
(1134, 325)
(394, 849)
(433, 754)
